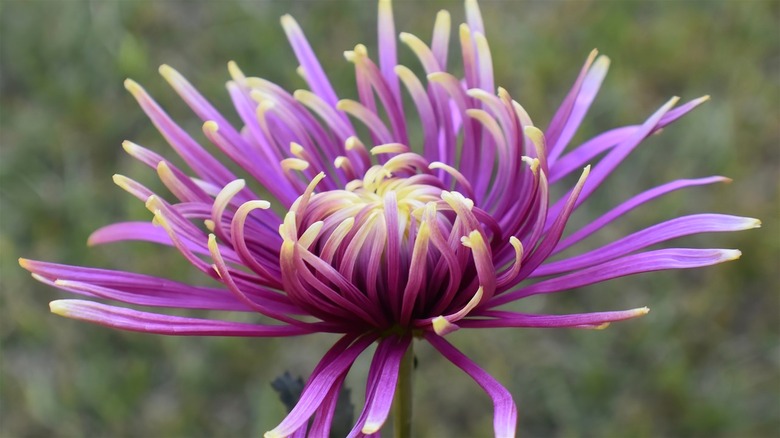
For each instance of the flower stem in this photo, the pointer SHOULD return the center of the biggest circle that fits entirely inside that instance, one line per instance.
(402, 405)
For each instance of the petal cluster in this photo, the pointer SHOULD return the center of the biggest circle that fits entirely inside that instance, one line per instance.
(383, 240)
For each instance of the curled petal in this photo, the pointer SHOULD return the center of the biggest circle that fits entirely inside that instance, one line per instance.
(505, 411)
(324, 377)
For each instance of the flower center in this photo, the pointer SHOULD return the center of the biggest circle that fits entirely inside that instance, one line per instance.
(389, 249)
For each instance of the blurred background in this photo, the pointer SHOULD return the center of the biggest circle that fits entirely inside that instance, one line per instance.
(704, 363)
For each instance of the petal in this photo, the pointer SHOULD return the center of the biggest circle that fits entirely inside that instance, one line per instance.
(388, 56)
(580, 320)
(148, 290)
(382, 379)
(137, 321)
(505, 411)
(678, 227)
(314, 74)
(677, 258)
(631, 204)
(323, 378)
(197, 158)
(607, 164)
(586, 95)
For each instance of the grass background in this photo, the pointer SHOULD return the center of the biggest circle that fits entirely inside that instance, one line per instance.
(703, 363)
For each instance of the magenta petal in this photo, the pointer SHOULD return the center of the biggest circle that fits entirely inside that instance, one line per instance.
(197, 158)
(505, 411)
(324, 377)
(678, 227)
(137, 321)
(678, 258)
(382, 399)
(146, 287)
(323, 419)
(631, 204)
(315, 75)
(383, 376)
(607, 164)
(138, 231)
(514, 319)
(582, 154)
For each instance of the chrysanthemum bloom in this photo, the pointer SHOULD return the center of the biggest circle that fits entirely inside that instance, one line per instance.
(384, 240)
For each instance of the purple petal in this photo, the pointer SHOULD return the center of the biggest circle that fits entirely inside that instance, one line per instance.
(582, 154)
(151, 291)
(605, 167)
(137, 321)
(315, 75)
(587, 93)
(381, 396)
(197, 158)
(323, 378)
(678, 227)
(137, 231)
(558, 121)
(678, 258)
(323, 419)
(631, 204)
(387, 46)
(580, 320)
(505, 411)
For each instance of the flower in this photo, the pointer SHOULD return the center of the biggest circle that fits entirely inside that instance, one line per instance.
(383, 240)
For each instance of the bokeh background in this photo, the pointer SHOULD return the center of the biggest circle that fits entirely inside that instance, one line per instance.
(704, 363)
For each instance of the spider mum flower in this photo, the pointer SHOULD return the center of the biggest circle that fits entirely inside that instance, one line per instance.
(383, 240)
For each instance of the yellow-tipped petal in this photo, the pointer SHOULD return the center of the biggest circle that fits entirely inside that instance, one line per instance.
(352, 143)
(370, 428)
(340, 161)
(443, 327)
(301, 72)
(288, 22)
(24, 263)
(213, 247)
(296, 149)
(131, 148)
(210, 127)
(389, 148)
(133, 87)
(288, 229)
(311, 234)
(169, 73)
(438, 76)
(272, 434)
(298, 164)
(535, 135)
(59, 307)
(235, 72)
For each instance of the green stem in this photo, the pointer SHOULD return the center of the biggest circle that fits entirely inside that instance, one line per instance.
(402, 404)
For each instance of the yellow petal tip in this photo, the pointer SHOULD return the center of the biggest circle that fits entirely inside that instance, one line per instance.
(133, 87)
(370, 428)
(59, 307)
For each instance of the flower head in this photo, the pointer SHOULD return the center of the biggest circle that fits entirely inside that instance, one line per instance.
(384, 239)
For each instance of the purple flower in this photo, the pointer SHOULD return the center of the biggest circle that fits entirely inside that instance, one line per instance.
(384, 239)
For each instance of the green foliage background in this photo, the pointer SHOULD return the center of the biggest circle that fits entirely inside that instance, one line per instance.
(703, 363)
